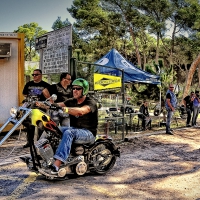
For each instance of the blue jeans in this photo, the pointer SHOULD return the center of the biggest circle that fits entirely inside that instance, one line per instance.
(195, 115)
(71, 134)
(168, 122)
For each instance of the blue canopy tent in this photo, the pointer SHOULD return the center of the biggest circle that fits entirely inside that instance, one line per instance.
(131, 73)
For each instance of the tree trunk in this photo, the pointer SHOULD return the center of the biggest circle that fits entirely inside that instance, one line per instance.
(190, 75)
(157, 48)
(136, 46)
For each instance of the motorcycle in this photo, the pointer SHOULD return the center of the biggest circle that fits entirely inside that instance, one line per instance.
(157, 110)
(98, 157)
(19, 115)
(181, 110)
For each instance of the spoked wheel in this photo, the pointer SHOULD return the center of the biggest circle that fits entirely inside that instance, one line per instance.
(102, 158)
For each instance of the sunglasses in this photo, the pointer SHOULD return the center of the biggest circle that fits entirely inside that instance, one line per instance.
(171, 87)
(76, 88)
(36, 74)
(69, 79)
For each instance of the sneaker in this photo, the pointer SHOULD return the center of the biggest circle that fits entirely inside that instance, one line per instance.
(54, 170)
(51, 170)
(188, 125)
(195, 125)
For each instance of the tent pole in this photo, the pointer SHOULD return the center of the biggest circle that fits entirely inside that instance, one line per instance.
(123, 102)
(160, 105)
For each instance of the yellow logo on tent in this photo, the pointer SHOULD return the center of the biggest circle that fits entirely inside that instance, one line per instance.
(104, 82)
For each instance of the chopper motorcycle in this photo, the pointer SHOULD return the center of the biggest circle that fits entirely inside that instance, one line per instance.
(98, 157)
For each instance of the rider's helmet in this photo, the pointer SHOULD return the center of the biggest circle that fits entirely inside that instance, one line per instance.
(82, 83)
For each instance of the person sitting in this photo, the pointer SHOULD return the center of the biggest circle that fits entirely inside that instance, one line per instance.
(146, 120)
(63, 92)
(83, 114)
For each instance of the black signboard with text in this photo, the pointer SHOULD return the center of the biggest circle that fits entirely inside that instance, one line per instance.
(41, 42)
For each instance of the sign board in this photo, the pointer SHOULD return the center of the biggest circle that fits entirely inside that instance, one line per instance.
(54, 50)
(106, 82)
(8, 35)
(41, 42)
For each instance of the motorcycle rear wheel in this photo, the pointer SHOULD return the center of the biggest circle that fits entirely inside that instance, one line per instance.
(102, 158)
(156, 112)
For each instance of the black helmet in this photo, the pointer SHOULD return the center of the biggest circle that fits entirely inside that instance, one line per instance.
(82, 83)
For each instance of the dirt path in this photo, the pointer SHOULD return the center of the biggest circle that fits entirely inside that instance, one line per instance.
(151, 167)
(164, 166)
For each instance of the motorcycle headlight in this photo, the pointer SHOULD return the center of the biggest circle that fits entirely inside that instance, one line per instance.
(13, 112)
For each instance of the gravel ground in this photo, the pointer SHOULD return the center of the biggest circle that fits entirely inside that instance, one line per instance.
(152, 166)
(163, 166)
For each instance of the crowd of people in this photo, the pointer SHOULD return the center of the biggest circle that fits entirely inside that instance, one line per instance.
(81, 113)
(191, 105)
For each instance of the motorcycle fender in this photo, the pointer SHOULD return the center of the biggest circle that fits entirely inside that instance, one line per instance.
(116, 150)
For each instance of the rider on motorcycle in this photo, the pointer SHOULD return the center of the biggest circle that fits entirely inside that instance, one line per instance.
(83, 114)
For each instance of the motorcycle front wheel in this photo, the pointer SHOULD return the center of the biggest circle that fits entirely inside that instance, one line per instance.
(102, 158)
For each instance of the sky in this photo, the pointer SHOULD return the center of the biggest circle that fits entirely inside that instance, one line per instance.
(15, 13)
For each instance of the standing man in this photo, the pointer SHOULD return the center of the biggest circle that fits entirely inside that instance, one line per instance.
(188, 103)
(196, 103)
(83, 114)
(170, 104)
(33, 88)
(61, 89)
(63, 92)
(36, 86)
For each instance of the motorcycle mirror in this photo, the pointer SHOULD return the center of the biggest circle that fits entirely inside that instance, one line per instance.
(53, 97)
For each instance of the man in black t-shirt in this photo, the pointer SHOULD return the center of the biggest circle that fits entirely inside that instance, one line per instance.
(34, 88)
(188, 103)
(83, 114)
(61, 89)
(63, 92)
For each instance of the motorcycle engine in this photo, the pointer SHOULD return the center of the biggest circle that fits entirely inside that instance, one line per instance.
(45, 150)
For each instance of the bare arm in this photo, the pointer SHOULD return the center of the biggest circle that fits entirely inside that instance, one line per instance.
(169, 104)
(76, 111)
(46, 93)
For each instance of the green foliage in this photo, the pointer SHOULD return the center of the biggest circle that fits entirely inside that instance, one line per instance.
(130, 25)
(139, 92)
(60, 24)
(31, 32)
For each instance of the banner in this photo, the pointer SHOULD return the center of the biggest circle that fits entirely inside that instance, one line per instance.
(106, 82)
(53, 48)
